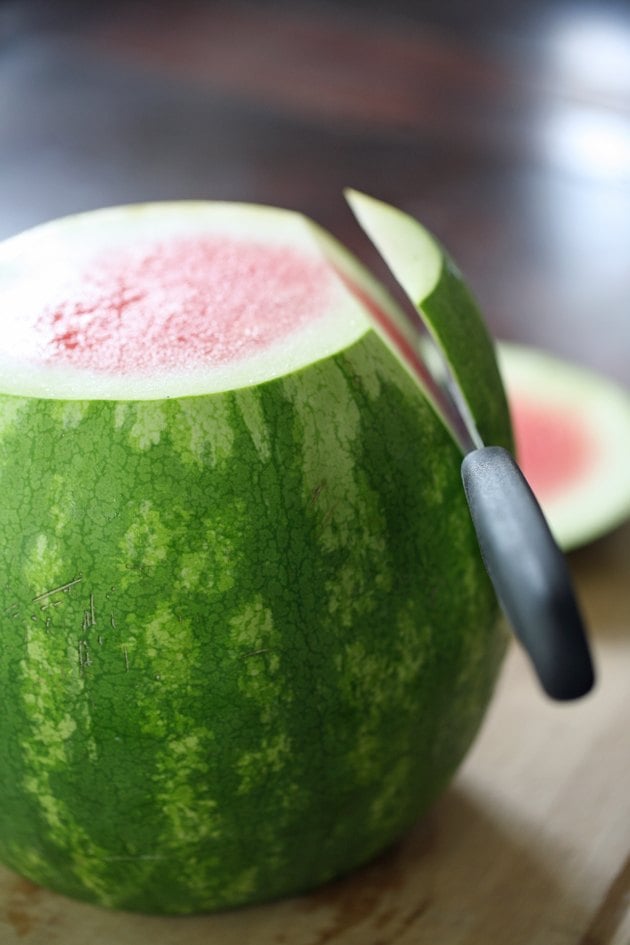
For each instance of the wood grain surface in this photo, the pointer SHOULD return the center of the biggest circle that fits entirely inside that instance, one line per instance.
(506, 129)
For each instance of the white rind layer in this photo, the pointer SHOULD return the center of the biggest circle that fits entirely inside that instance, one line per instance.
(35, 265)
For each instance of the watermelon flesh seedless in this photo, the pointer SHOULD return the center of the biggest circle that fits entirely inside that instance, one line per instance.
(182, 304)
(246, 634)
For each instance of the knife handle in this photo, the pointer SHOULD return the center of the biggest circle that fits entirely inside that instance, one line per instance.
(528, 571)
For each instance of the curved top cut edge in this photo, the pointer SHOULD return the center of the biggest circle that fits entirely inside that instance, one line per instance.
(408, 249)
(457, 347)
(40, 256)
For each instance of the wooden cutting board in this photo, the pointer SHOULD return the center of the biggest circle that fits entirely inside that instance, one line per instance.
(530, 845)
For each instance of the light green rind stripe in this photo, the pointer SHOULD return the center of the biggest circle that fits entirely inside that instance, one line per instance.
(245, 638)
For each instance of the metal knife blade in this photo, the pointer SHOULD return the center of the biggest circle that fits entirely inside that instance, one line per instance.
(528, 571)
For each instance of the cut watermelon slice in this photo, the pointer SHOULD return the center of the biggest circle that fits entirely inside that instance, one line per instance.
(572, 430)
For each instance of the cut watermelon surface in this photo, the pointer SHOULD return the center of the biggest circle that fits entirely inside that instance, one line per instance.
(572, 431)
(181, 305)
(246, 634)
(201, 300)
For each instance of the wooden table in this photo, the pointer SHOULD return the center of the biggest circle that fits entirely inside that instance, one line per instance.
(508, 133)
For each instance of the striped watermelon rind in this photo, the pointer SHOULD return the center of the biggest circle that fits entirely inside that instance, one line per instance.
(247, 636)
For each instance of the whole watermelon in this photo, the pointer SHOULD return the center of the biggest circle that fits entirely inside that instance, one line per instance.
(245, 632)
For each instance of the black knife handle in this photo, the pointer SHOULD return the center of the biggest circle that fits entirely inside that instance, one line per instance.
(528, 571)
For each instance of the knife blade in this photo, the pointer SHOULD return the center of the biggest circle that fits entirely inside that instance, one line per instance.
(529, 572)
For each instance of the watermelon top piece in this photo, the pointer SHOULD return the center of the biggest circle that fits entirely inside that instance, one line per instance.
(156, 309)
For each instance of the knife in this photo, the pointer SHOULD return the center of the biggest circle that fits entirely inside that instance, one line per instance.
(524, 563)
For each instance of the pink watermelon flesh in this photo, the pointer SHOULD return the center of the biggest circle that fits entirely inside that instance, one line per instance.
(554, 448)
(180, 304)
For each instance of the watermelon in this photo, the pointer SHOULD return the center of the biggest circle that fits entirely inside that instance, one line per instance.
(572, 433)
(246, 633)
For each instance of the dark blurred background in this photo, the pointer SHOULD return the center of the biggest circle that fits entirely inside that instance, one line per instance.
(505, 127)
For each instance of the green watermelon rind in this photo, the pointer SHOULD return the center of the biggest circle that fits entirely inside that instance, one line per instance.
(247, 636)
